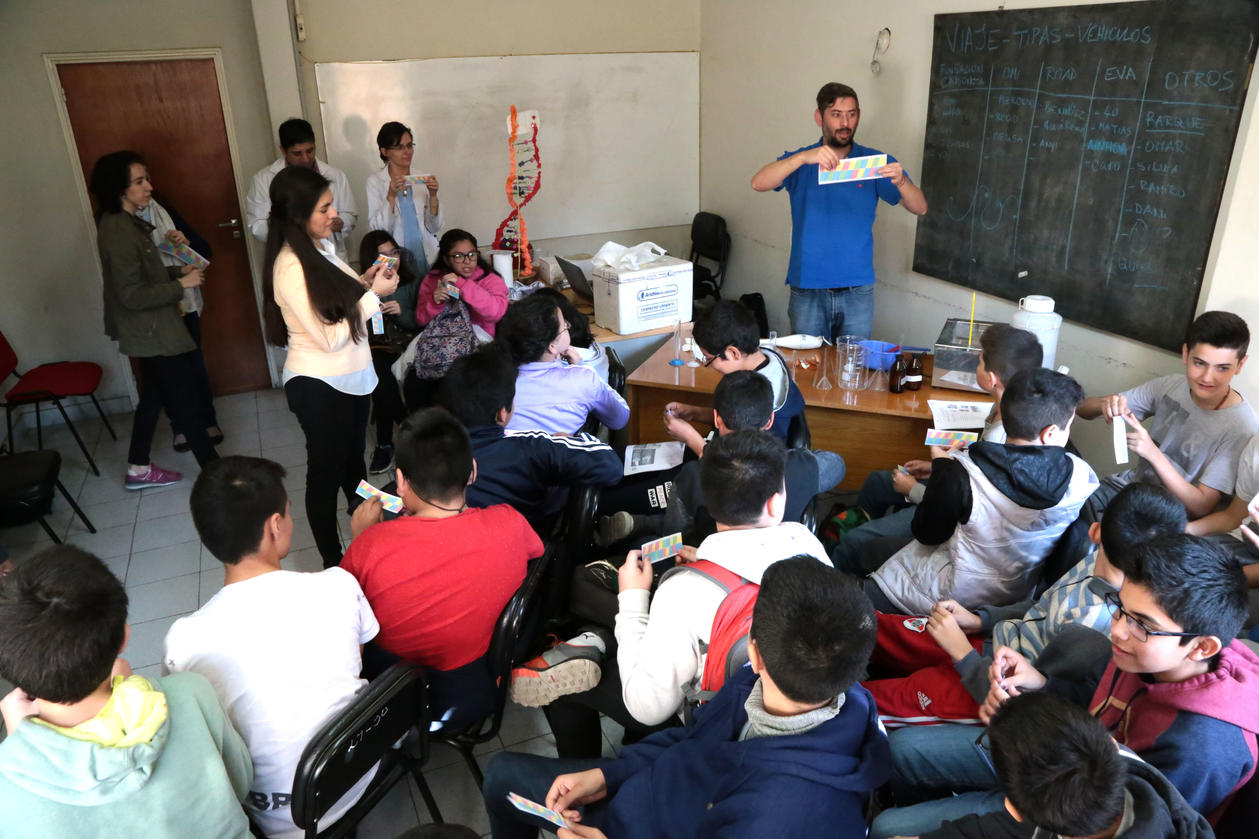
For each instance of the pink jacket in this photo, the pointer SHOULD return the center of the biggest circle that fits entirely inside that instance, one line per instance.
(484, 292)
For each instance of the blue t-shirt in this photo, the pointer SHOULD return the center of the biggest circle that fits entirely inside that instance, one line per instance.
(832, 242)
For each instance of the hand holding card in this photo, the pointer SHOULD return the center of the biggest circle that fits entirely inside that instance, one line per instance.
(533, 808)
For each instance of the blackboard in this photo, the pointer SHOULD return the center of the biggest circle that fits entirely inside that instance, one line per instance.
(1081, 152)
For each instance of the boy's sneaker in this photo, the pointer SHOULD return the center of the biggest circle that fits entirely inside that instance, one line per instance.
(569, 667)
(612, 529)
(155, 477)
(382, 459)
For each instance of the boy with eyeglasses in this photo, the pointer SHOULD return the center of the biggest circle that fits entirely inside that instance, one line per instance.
(1178, 690)
(730, 339)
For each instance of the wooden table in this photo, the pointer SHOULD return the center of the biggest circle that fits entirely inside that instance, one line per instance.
(872, 429)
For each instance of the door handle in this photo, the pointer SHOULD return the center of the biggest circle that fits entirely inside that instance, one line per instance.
(231, 223)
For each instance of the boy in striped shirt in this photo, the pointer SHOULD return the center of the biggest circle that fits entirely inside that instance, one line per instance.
(944, 658)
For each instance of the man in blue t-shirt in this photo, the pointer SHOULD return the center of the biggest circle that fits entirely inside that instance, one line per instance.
(831, 272)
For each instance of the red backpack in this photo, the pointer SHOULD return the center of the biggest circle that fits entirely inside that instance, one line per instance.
(728, 641)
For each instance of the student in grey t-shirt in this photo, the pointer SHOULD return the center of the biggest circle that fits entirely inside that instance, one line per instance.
(1200, 423)
(1199, 428)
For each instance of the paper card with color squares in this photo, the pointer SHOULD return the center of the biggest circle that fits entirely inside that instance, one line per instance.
(392, 503)
(948, 438)
(853, 169)
(415, 180)
(533, 808)
(184, 254)
(377, 322)
(662, 549)
(386, 263)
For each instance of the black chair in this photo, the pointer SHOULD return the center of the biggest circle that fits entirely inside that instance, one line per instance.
(798, 436)
(386, 724)
(616, 371)
(710, 241)
(27, 481)
(508, 647)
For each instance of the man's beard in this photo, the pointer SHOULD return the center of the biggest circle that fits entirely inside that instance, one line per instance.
(836, 143)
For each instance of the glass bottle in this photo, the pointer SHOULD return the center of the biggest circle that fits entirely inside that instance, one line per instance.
(895, 376)
(913, 372)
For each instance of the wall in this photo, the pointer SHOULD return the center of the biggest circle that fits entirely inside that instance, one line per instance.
(49, 279)
(337, 31)
(758, 75)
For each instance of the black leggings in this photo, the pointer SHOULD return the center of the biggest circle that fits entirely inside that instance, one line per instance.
(168, 382)
(201, 378)
(387, 407)
(335, 425)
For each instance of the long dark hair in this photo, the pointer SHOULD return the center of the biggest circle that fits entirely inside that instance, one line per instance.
(369, 249)
(449, 239)
(111, 175)
(333, 294)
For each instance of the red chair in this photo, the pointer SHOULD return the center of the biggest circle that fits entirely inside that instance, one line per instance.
(50, 383)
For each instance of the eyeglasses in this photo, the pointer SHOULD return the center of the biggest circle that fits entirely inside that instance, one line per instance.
(401, 147)
(1136, 626)
(565, 328)
(392, 253)
(469, 256)
(709, 361)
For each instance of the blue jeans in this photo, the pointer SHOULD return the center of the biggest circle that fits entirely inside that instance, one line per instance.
(830, 469)
(936, 759)
(830, 312)
(530, 776)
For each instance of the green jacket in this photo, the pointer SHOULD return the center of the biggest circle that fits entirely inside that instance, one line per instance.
(141, 294)
(161, 761)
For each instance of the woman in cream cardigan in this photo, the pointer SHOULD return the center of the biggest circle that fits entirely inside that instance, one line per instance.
(316, 305)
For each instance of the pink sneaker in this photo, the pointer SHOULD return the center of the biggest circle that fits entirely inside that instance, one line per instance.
(155, 477)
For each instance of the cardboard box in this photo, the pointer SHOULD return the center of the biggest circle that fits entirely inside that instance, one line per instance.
(955, 362)
(656, 295)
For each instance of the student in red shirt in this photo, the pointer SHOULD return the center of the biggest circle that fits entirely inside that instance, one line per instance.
(438, 576)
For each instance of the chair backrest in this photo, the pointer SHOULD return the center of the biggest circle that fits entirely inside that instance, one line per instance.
(798, 436)
(710, 240)
(365, 733)
(8, 358)
(506, 646)
(616, 371)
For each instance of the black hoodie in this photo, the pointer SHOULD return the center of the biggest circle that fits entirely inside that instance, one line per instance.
(1157, 811)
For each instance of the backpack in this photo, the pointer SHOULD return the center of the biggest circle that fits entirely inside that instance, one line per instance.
(727, 648)
(447, 337)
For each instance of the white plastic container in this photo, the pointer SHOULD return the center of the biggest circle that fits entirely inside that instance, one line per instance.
(1036, 315)
(655, 295)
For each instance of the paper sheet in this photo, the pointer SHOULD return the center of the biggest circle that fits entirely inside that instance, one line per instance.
(947, 415)
(1120, 429)
(652, 457)
(853, 169)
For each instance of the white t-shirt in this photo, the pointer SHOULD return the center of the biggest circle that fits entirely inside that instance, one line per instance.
(282, 652)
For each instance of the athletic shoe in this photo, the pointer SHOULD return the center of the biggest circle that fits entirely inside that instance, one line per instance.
(155, 477)
(382, 460)
(613, 528)
(570, 667)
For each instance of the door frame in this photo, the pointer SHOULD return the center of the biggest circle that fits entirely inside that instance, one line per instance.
(51, 61)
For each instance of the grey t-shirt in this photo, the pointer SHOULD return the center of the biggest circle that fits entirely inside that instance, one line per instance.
(1204, 446)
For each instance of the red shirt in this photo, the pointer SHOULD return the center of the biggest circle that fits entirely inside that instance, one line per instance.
(437, 586)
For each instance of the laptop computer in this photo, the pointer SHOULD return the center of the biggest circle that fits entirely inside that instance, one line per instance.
(576, 277)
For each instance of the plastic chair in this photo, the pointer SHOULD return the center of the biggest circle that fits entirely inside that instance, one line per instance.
(709, 240)
(50, 383)
(507, 648)
(27, 481)
(386, 724)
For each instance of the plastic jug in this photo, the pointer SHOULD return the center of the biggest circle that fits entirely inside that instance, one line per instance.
(1036, 314)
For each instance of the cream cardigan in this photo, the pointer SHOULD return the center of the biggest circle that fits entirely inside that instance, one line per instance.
(316, 348)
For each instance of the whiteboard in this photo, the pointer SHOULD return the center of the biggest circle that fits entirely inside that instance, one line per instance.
(618, 136)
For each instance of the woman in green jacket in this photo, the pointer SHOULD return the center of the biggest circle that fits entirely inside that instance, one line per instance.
(142, 314)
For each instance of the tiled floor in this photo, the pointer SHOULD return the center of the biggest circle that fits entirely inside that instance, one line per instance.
(147, 538)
